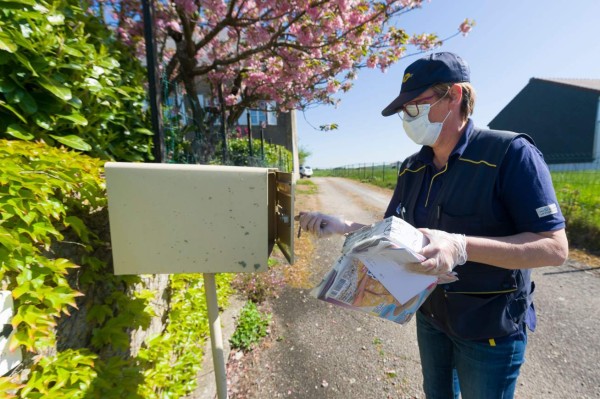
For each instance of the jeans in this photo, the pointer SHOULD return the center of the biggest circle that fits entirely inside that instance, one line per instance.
(484, 371)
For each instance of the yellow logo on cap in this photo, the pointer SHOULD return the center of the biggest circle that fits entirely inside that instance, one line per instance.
(406, 77)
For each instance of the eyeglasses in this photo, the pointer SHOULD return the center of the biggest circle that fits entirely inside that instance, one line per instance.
(412, 110)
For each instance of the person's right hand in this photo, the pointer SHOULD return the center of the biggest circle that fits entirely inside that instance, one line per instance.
(444, 251)
(321, 224)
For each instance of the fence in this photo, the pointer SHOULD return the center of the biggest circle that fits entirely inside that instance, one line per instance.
(380, 174)
(187, 141)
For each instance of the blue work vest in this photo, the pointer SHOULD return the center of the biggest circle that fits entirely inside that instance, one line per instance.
(487, 301)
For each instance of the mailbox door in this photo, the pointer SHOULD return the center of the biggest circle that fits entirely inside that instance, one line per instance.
(168, 218)
(285, 215)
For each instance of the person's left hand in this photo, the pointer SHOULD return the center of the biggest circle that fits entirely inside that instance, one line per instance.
(444, 252)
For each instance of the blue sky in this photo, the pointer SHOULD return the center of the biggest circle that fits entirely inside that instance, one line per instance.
(513, 41)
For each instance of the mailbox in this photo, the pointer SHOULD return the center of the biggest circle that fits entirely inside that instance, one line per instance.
(172, 218)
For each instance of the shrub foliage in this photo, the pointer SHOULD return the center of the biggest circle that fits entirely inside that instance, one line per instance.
(63, 80)
(53, 201)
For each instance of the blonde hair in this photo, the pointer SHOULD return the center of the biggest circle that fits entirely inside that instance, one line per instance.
(468, 96)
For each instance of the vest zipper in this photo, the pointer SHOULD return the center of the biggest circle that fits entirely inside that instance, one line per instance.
(431, 183)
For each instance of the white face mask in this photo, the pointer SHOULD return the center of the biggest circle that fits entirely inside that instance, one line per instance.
(419, 129)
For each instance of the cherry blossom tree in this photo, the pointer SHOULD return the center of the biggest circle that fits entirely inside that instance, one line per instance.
(295, 53)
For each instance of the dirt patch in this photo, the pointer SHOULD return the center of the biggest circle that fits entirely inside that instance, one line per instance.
(585, 257)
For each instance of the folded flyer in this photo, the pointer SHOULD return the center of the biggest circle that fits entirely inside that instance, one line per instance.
(373, 275)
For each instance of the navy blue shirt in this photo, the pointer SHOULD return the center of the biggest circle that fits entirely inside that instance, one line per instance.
(523, 193)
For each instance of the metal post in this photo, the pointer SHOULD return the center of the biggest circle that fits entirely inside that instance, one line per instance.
(225, 152)
(153, 82)
(249, 133)
(262, 139)
(383, 173)
(216, 337)
(279, 161)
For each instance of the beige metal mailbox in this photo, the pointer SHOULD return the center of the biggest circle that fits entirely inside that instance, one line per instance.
(171, 218)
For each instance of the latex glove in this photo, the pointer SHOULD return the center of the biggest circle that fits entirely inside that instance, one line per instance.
(444, 278)
(321, 224)
(447, 278)
(444, 252)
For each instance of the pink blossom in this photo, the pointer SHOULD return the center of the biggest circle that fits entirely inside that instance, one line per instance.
(174, 25)
(372, 61)
(231, 99)
(294, 52)
(187, 6)
(466, 27)
(332, 87)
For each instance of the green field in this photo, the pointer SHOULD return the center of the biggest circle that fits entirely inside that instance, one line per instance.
(586, 183)
(578, 193)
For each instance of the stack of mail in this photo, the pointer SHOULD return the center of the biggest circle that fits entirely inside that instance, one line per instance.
(375, 272)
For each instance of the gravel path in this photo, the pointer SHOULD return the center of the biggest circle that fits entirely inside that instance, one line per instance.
(316, 350)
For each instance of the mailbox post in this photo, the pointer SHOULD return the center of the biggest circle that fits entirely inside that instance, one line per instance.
(167, 218)
(216, 336)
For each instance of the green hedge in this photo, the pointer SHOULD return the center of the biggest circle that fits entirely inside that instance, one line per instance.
(275, 156)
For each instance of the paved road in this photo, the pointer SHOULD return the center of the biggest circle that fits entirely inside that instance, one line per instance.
(319, 351)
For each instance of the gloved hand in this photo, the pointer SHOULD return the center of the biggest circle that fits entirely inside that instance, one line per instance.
(447, 278)
(444, 252)
(321, 224)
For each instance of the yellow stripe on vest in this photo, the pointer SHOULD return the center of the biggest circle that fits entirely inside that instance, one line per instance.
(492, 342)
(477, 162)
(431, 183)
(412, 171)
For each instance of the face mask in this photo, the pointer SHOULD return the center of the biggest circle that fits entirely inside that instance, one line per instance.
(419, 129)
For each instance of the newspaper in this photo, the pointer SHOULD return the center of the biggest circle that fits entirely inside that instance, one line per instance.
(373, 275)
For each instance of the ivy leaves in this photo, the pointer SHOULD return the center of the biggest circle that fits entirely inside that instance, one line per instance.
(42, 190)
(64, 80)
(38, 186)
(252, 325)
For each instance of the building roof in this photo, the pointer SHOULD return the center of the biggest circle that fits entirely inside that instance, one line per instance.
(590, 84)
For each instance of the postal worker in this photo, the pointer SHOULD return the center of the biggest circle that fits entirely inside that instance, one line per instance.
(485, 201)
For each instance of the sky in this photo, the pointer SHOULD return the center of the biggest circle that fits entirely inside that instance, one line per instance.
(512, 42)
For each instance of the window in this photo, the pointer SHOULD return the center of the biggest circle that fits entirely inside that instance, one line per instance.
(258, 116)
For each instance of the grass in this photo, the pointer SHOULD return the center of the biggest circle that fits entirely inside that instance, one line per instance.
(578, 193)
(306, 186)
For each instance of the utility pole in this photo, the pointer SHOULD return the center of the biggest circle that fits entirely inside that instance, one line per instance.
(153, 82)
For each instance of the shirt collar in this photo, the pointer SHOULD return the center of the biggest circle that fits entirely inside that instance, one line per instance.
(425, 155)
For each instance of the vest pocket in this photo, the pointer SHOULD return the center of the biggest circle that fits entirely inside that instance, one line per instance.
(483, 315)
(463, 224)
(472, 224)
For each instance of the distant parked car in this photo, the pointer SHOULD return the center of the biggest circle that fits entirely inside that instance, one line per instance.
(305, 171)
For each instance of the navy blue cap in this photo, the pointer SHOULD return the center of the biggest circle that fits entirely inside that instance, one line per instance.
(425, 72)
